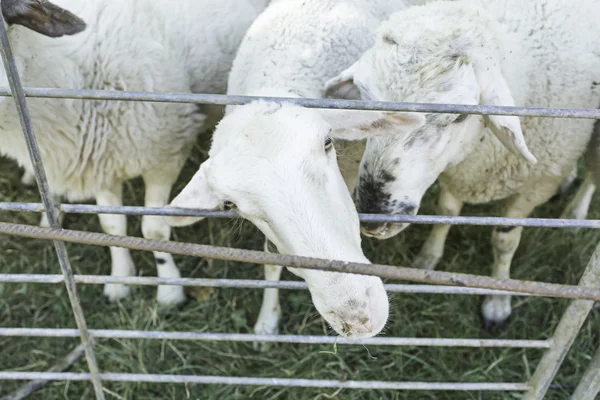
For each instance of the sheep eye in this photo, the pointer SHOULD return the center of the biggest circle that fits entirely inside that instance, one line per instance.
(228, 205)
(328, 144)
(460, 118)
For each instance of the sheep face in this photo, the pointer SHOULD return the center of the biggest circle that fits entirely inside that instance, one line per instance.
(276, 166)
(401, 162)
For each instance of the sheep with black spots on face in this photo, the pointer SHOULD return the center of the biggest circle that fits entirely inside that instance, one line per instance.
(539, 53)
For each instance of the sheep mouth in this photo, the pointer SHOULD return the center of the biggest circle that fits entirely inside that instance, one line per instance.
(382, 231)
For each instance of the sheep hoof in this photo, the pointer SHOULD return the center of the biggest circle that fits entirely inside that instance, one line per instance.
(116, 291)
(493, 326)
(169, 296)
(426, 261)
(496, 311)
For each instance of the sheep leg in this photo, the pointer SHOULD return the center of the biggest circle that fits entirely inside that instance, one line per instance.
(28, 178)
(158, 190)
(496, 309)
(113, 224)
(44, 223)
(270, 310)
(578, 207)
(566, 184)
(433, 248)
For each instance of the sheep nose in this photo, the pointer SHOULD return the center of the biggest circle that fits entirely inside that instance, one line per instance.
(357, 329)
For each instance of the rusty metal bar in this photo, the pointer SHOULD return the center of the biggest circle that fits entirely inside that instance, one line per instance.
(258, 257)
(230, 380)
(337, 104)
(16, 89)
(412, 219)
(565, 333)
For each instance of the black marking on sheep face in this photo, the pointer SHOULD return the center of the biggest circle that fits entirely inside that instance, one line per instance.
(372, 197)
(160, 261)
(506, 229)
(371, 194)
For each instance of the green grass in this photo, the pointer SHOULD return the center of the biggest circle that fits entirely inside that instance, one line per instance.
(549, 255)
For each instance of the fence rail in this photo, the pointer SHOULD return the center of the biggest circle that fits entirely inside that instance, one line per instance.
(335, 104)
(259, 257)
(230, 380)
(393, 218)
(555, 347)
(239, 283)
(303, 339)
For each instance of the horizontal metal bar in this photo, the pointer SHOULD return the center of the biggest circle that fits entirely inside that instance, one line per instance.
(339, 104)
(230, 380)
(303, 339)
(238, 283)
(259, 257)
(413, 219)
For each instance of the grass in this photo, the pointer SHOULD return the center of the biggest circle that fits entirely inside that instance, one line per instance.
(549, 255)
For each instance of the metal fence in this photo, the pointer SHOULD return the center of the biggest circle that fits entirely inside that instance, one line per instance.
(556, 347)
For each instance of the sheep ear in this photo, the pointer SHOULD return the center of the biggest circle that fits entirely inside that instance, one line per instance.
(42, 16)
(195, 195)
(342, 86)
(495, 91)
(358, 125)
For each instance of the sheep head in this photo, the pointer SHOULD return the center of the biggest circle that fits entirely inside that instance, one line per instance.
(275, 165)
(430, 54)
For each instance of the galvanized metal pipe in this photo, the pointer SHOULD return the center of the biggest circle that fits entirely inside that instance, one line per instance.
(16, 89)
(589, 386)
(567, 330)
(238, 283)
(337, 104)
(304, 339)
(257, 257)
(285, 382)
(413, 219)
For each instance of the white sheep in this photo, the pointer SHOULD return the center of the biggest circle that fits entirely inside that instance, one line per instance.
(539, 53)
(579, 205)
(89, 148)
(272, 165)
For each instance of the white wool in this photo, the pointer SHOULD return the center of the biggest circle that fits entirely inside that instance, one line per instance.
(90, 147)
(135, 45)
(538, 53)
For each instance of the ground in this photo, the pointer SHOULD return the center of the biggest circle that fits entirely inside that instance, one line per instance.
(550, 255)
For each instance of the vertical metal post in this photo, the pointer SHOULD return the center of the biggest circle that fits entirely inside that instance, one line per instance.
(565, 333)
(589, 386)
(51, 209)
